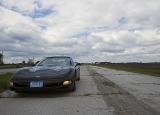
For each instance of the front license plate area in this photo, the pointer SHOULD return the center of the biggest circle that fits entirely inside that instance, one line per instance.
(36, 84)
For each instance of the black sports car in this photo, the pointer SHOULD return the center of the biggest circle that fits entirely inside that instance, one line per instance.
(50, 73)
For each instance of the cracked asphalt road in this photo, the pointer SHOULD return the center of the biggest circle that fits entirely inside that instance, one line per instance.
(144, 87)
(100, 91)
(87, 100)
(8, 70)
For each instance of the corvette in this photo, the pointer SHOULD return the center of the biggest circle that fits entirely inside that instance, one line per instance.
(59, 72)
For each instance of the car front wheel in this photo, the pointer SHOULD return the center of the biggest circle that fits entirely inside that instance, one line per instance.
(72, 87)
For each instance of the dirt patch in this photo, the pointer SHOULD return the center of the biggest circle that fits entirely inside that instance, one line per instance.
(111, 84)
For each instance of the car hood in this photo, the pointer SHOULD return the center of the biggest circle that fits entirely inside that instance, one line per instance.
(43, 72)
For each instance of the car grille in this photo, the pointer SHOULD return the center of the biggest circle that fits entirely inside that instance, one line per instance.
(52, 84)
(46, 84)
(20, 84)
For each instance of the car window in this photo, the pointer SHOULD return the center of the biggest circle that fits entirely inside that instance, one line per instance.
(55, 62)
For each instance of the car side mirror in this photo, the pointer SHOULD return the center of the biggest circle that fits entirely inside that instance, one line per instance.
(78, 64)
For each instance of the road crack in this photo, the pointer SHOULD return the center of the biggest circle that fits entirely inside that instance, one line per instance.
(123, 102)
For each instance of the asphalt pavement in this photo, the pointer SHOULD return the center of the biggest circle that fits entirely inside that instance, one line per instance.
(87, 100)
(8, 70)
(100, 91)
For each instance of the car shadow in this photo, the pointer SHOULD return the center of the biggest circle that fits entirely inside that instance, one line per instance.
(37, 94)
(45, 94)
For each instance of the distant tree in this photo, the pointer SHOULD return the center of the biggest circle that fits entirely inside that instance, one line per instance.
(23, 62)
(30, 62)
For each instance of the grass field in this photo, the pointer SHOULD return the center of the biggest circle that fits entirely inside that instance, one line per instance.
(4, 81)
(149, 69)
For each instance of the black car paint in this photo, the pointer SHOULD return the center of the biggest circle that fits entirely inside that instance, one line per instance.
(52, 77)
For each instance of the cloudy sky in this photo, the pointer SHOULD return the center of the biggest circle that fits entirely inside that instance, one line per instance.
(87, 30)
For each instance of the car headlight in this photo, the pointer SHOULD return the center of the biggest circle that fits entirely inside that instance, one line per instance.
(11, 83)
(67, 82)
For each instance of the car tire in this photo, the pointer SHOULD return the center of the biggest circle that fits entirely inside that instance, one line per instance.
(72, 87)
(78, 78)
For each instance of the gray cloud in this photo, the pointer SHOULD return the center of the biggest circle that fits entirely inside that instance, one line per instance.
(88, 30)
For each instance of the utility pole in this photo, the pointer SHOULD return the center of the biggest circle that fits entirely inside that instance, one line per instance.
(1, 57)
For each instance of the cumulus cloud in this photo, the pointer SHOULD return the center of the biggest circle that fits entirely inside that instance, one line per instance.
(87, 30)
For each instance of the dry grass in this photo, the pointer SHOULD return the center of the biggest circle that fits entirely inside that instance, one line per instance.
(149, 69)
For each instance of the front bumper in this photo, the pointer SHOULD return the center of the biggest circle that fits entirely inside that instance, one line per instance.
(47, 85)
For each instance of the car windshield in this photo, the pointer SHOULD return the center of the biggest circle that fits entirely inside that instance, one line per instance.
(55, 62)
